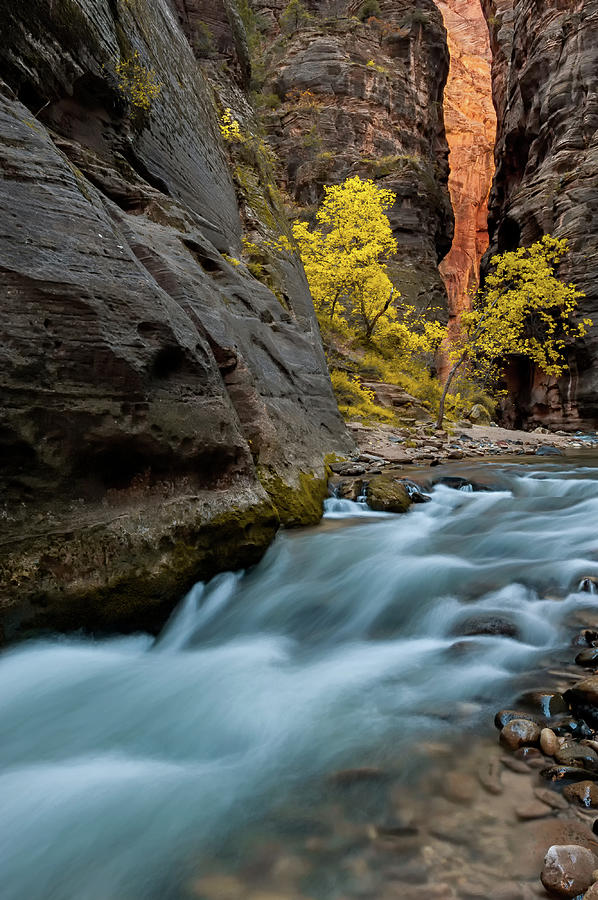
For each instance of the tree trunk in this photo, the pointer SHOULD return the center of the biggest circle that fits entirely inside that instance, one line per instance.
(447, 385)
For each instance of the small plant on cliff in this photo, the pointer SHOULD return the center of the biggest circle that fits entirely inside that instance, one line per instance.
(138, 83)
(369, 10)
(345, 257)
(230, 128)
(294, 17)
(525, 310)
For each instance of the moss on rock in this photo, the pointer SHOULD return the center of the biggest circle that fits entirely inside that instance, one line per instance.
(298, 502)
(68, 591)
(386, 493)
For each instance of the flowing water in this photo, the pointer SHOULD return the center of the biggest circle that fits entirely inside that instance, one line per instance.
(131, 769)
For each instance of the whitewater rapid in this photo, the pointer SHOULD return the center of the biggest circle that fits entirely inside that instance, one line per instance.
(126, 762)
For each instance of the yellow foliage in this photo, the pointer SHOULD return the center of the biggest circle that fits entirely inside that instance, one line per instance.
(524, 309)
(230, 128)
(137, 83)
(355, 401)
(344, 254)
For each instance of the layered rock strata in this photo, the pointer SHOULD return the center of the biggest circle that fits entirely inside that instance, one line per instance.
(164, 405)
(545, 64)
(471, 130)
(346, 92)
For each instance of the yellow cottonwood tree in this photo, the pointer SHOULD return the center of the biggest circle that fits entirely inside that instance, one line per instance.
(524, 309)
(344, 255)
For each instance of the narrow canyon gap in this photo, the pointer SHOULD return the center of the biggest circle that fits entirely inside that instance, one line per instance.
(470, 122)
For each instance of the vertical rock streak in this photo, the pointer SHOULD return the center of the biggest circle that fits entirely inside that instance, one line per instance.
(470, 122)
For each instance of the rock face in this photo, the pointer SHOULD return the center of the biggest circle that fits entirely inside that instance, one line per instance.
(545, 57)
(470, 129)
(164, 406)
(348, 94)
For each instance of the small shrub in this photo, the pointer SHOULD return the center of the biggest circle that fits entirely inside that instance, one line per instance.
(355, 401)
(369, 10)
(138, 84)
(294, 16)
(230, 128)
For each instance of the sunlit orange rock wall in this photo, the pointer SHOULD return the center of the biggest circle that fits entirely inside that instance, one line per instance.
(470, 123)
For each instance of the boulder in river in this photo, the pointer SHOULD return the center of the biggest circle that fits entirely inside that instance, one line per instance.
(386, 493)
(583, 699)
(574, 754)
(488, 625)
(568, 774)
(588, 585)
(549, 450)
(504, 716)
(588, 658)
(568, 870)
(585, 793)
(577, 728)
(519, 732)
(549, 742)
(545, 703)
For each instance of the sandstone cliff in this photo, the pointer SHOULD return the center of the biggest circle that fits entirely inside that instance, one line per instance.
(344, 93)
(164, 403)
(544, 81)
(471, 129)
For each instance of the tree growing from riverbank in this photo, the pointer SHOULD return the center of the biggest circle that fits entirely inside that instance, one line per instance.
(345, 257)
(524, 309)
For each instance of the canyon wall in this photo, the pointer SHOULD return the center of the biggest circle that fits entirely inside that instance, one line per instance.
(471, 130)
(165, 397)
(165, 402)
(357, 89)
(545, 80)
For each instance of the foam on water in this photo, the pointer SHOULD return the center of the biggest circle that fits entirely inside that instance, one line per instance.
(120, 760)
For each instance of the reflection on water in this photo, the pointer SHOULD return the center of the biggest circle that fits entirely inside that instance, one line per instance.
(131, 769)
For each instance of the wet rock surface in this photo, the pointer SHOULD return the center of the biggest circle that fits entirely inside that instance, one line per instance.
(568, 870)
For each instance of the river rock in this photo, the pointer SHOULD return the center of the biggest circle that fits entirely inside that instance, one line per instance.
(490, 625)
(532, 810)
(554, 800)
(592, 892)
(549, 450)
(568, 870)
(547, 703)
(583, 699)
(584, 792)
(574, 754)
(588, 658)
(519, 732)
(588, 585)
(386, 493)
(549, 742)
(567, 774)
(568, 725)
(504, 716)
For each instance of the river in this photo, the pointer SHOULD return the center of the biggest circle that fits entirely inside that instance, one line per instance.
(293, 730)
